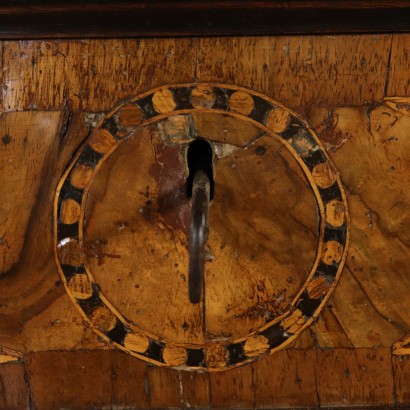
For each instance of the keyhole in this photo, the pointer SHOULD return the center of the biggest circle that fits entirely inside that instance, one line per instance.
(200, 189)
(200, 156)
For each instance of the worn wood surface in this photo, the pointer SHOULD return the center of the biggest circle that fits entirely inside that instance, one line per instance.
(121, 381)
(299, 71)
(353, 376)
(294, 379)
(377, 143)
(289, 380)
(352, 90)
(401, 369)
(33, 298)
(13, 383)
(22, 137)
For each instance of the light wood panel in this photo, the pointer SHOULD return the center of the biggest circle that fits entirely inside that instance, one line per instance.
(32, 298)
(90, 74)
(399, 78)
(298, 71)
(328, 331)
(26, 142)
(371, 149)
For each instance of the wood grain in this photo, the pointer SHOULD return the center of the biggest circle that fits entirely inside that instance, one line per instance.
(399, 79)
(354, 377)
(165, 387)
(74, 376)
(26, 141)
(286, 380)
(306, 340)
(129, 382)
(290, 379)
(401, 368)
(196, 390)
(402, 346)
(298, 70)
(328, 331)
(15, 394)
(90, 75)
(234, 388)
(9, 356)
(32, 299)
(376, 142)
(58, 324)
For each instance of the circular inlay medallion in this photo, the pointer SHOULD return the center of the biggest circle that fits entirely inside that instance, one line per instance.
(278, 227)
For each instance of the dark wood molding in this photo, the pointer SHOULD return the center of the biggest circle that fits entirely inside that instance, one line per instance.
(20, 19)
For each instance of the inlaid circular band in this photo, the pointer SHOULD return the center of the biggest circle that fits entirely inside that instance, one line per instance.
(249, 106)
